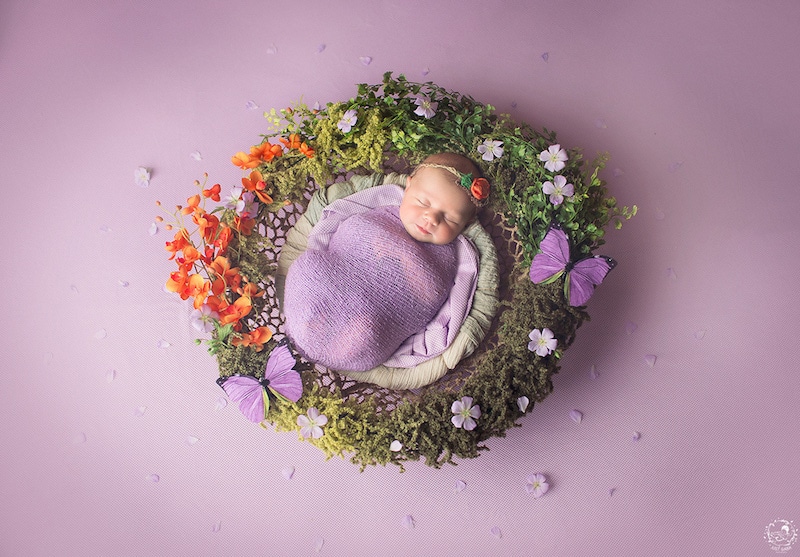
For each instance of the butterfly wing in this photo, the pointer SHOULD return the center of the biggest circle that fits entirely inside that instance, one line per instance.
(283, 379)
(584, 276)
(248, 393)
(553, 256)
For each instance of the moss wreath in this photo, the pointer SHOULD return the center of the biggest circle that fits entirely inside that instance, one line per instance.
(227, 260)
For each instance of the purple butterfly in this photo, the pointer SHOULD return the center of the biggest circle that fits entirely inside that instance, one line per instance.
(582, 276)
(252, 394)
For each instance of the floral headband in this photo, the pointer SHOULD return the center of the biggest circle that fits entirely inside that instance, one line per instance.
(478, 188)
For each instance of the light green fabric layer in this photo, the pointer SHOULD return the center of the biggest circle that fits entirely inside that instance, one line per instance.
(484, 304)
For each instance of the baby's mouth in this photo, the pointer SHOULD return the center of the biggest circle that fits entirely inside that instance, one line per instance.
(422, 230)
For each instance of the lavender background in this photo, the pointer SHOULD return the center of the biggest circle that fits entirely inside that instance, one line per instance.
(696, 102)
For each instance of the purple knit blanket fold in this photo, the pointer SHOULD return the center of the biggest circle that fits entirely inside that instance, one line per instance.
(364, 286)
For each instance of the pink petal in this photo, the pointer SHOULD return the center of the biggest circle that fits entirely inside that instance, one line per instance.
(272, 49)
(221, 402)
(630, 327)
(163, 344)
(111, 374)
(425, 71)
(216, 527)
(671, 274)
(318, 544)
(611, 491)
(700, 334)
(675, 166)
(196, 155)
(191, 440)
(593, 373)
(636, 435)
(153, 230)
(100, 334)
(460, 486)
(251, 105)
(522, 403)
(617, 172)
(659, 214)
(545, 56)
(139, 411)
(79, 438)
(650, 360)
(320, 48)
(366, 60)
(576, 416)
(496, 532)
(600, 124)
(408, 521)
(155, 478)
(288, 472)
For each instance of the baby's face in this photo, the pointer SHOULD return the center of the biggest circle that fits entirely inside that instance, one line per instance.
(434, 208)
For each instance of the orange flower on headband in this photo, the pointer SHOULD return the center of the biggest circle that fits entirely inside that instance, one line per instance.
(479, 188)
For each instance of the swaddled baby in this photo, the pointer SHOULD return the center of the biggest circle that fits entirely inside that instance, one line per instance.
(377, 277)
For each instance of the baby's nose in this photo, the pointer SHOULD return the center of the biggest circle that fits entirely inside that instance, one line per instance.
(433, 218)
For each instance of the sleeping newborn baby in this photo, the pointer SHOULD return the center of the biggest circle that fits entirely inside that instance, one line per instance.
(371, 279)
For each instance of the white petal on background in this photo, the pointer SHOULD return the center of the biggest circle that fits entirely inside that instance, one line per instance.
(496, 532)
(675, 166)
(599, 123)
(111, 374)
(611, 491)
(618, 172)
(636, 435)
(153, 230)
(79, 438)
(700, 334)
(321, 48)
(318, 544)
(425, 71)
(650, 360)
(155, 478)
(576, 416)
(163, 344)
(630, 327)
(671, 274)
(513, 104)
(123, 283)
(593, 373)
(74, 288)
(545, 56)
(460, 486)
(366, 60)
(251, 105)
(140, 411)
(192, 440)
(408, 521)
(396, 446)
(221, 403)
(272, 49)
(196, 155)
(217, 526)
(288, 472)
(659, 214)
(522, 403)
(100, 334)
(105, 228)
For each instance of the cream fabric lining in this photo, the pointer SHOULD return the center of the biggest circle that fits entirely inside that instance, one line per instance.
(484, 304)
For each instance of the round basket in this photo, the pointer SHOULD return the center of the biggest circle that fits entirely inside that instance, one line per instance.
(389, 127)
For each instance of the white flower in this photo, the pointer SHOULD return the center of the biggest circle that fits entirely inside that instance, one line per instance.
(465, 413)
(490, 149)
(542, 342)
(537, 485)
(348, 120)
(558, 189)
(425, 107)
(554, 158)
(142, 177)
(203, 319)
(311, 424)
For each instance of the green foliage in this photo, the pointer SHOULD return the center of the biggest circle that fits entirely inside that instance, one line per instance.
(387, 127)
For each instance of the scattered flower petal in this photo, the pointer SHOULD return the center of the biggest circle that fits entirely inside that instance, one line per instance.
(460, 486)
(496, 532)
(348, 120)
(395, 446)
(288, 472)
(163, 344)
(522, 403)
(593, 373)
(425, 71)
(675, 166)
(659, 214)
(311, 423)
(105, 228)
(408, 522)
(600, 124)
(79, 438)
(321, 47)
(111, 374)
(536, 485)
(543, 342)
(100, 334)
(319, 543)
(513, 104)
(636, 435)
(490, 149)
(671, 274)
(123, 283)
(425, 107)
(554, 158)
(576, 416)
(74, 288)
(700, 334)
(196, 155)
(465, 413)
(251, 105)
(216, 527)
(272, 49)
(192, 440)
(153, 230)
(545, 56)
(650, 360)
(617, 172)
(142, 177)
(611, 491)
(366, 60)
(630, 327)
(140, 411)
(48, 358)
(221, 403)
(155, 478)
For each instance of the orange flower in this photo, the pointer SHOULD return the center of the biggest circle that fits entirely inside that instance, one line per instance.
(198, 288)
(193, 203)
(256, 339)
(245, 226)
(224, 275)
(244, 161)
(180, 241)
(190, 254)
(250, 290)
(207, 224)
(293, 142)
(213, 192)
(480, 188)
(266, 151)
(255, 183)
(224, 238)
(306, 150)
(178, 283)
(236, 311)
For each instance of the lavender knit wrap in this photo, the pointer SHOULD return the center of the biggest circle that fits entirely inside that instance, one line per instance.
(362, 288)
